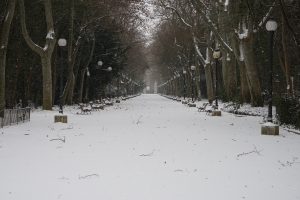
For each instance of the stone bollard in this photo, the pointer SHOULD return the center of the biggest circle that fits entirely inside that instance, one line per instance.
(269, 129)
(216, 113)
(61, 118)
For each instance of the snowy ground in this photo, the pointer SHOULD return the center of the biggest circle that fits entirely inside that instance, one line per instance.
(147, 148)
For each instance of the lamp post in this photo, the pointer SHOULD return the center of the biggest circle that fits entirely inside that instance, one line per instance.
(184, 83)
(61, 43)
(217, 56)
(271, 27)
(193, 69)
(269, 128)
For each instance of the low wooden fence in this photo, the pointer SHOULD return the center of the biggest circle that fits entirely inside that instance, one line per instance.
(15, 116)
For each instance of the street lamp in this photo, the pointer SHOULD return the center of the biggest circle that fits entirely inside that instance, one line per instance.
(61, 43)
(100, 63)
(269, 128)
(271, 27)
(193, 69)
(217, 56)
(109, 69)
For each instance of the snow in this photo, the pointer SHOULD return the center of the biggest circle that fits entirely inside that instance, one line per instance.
(226, 4)
(50, 34)
(269, 124)
(147, 148)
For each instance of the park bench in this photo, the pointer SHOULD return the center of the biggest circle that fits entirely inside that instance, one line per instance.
(184, 101)
(97, 106)
(108, 103)
(203, 107)
(191, 104)
(210, 110)
(85, 109)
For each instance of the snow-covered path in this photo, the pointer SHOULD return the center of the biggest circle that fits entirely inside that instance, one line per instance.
(147, 148)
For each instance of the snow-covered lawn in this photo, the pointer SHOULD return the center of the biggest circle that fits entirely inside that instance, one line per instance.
(147, 148)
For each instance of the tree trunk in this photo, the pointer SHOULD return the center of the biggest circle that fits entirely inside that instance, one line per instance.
(84, 70)
(229, 76)
(67, 95)
(245, 92)
(244, 83)
(47, 83)
(45, 52)
(197, 82)
(4, 37)
(71, 90)
(54, 76)
(209, 83)
(287, 71)
(82, 74)
(252, 72)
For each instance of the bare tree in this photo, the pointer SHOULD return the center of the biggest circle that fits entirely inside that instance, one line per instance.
(45, 52)
(4, 37)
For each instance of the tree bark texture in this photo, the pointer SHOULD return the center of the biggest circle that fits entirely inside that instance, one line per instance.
(4, 37)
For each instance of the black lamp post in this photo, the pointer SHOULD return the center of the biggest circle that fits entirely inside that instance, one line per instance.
(217, 56)
(271, 27)
(61, 43)
(193, 69)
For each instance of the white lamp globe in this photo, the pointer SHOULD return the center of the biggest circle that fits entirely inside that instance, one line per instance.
(193, 67)
(184, 72)
(217, 54)
(109, 69)
(100, 63)
(62, 42)
(271, 25)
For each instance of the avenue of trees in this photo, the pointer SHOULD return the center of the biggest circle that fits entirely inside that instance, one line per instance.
(106, 34)
(33, 67)
(191, 30)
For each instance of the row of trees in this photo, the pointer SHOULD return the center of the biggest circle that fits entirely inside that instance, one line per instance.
(192, 29)
(33, 67)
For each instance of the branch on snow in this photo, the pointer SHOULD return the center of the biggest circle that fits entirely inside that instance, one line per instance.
(250, 152)
(59, 139)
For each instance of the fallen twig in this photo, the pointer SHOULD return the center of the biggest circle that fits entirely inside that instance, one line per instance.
(59, 139)
(149, 154)
(88, 176)
(178, 170)
(289, 163)
(250, 152)
(139, 120)
(291, 131)
(68, 128)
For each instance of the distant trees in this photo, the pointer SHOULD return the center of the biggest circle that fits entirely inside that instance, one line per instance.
(193, 29)
(238, 29)
(34, 64)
